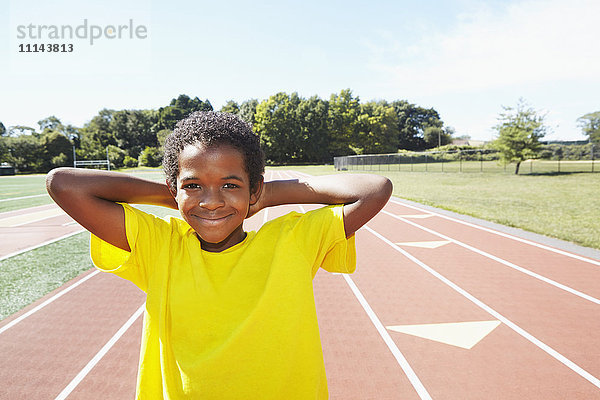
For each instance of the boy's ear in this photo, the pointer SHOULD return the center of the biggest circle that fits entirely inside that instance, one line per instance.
(255, 195)
(172, 190)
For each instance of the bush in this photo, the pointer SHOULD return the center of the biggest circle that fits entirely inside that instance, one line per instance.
(60, 160)
(116, 156)
(150, 157)
(130, 162)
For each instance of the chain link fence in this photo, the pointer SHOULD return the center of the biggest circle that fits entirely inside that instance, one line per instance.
(478, 160)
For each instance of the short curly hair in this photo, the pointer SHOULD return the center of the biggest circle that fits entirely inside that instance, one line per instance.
(211, 129)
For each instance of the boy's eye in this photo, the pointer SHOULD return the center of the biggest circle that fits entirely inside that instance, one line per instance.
(230, 186)
(191, 186)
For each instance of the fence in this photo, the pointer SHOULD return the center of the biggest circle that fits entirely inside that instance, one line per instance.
(481, 160)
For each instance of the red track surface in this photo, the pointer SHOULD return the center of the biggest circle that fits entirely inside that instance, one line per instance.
(546, 346)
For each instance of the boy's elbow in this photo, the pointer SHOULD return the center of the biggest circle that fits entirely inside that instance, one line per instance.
(385, 188)
(55, 180)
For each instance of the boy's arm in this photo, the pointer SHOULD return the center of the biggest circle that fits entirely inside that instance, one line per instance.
(363, 195)
(90, 197)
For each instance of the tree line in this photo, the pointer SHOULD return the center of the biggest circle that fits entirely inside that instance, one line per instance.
(292, 129)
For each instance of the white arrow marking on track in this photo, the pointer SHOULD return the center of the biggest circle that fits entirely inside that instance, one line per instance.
(460, 334)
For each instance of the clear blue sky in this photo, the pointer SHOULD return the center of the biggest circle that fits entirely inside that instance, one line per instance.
(464, 58)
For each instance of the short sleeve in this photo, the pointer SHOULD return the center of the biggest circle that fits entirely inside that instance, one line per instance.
(144, 235)
(321, 237)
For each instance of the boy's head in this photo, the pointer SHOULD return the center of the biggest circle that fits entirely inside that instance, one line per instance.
(214, 166)
(211, 129)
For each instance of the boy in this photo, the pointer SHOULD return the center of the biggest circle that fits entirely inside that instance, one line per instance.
(229, 314)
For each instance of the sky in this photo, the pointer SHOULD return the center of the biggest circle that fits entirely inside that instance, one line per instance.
(466, 59)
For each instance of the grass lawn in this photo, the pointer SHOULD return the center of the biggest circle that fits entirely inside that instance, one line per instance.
(564, 206)
(28, 276)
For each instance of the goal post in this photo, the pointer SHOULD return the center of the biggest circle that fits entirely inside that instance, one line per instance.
(91, 163)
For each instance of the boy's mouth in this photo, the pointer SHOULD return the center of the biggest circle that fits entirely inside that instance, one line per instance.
(210, 219)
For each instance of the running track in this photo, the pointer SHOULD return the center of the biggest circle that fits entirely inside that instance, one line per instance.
(536, 314)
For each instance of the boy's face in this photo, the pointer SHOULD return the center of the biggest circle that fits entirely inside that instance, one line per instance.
(213, 194)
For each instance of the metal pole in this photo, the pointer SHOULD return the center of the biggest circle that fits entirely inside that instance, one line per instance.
(107, 159)
(74, 158)
(480, 162)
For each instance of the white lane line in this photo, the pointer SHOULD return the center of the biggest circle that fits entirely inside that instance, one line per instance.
(24, 197)
(410, 373)
(287, 175)
(92, 363)
(16, 253)
(506, 235)
(45, 303)
(499, 260)
(21, 219)
(301, 173)
(549, 350)
(57, 214)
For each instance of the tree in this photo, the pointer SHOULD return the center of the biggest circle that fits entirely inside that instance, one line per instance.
(95, 136)
(21, 130)
(590, 125)
(343, 113)
(311, 115)
(150, 157)
(51, 123)
(412, 122)
(376, 129)
(231, 107)
(180, 108)
(436, 136)
(57, 150)
(25, 153)
(248, 111)
(133, 130)
(278, 128)
(2, 129)
(519, 132)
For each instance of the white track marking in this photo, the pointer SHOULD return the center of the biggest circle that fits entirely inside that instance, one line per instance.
(22, 219)
(40, 245)
(549, 350)
(24, 197)
(57, 213)
(506, 235)
(410, 373)
(70, 223)
(90, 365)
(499, 260)
(287, 175)
(301, 173)
(45, 303)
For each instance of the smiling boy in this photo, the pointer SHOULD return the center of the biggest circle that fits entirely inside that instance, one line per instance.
(229, 314)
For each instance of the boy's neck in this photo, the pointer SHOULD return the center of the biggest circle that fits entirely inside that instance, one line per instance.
(236, 237)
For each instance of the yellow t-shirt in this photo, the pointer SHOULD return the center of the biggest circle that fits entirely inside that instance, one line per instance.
(239, 324)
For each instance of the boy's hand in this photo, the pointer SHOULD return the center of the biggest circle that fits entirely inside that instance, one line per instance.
(262, 201)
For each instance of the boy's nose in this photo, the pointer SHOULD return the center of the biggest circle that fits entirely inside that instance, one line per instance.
(212, 200)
